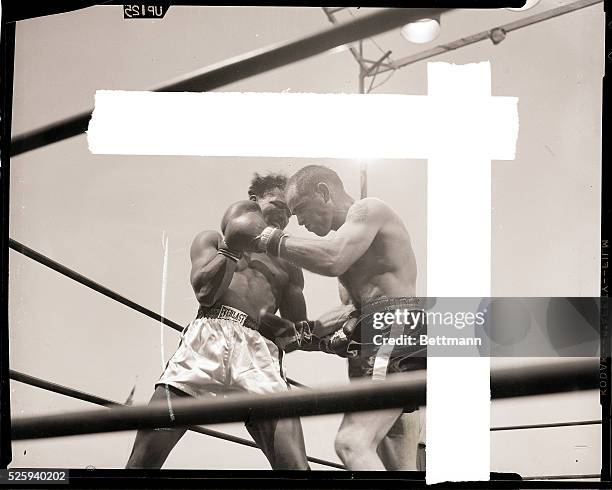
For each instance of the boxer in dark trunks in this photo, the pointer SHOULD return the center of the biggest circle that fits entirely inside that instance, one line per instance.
(371, 254)
(222, 350)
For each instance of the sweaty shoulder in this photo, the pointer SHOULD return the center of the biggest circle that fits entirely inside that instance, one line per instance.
(205, 239)
(369, 209)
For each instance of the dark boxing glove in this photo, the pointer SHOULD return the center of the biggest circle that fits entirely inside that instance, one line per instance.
(341, 342)
(287, 335)
(233, 255)
(245, 230)
(242, 225)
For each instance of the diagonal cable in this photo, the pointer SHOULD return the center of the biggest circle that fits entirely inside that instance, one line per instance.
(85, 281)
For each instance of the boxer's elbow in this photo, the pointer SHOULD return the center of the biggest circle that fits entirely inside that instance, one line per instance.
(337, 268)
(206, 296)
(206, 288)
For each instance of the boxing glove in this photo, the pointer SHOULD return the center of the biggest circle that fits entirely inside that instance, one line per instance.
(287, 335)
(341, 342)
(242, 224)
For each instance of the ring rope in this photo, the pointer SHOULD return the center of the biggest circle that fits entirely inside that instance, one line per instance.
(546, 426)
(73, 393)
(358, 396)
(85, 281)
(80, 395)
(398, 391)
(60, 389)
(561, 477)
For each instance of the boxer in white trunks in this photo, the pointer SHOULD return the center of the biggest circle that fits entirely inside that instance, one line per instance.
(222, 351)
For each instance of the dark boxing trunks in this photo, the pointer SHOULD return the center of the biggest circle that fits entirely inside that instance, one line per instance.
(382, 336)
(389, 330)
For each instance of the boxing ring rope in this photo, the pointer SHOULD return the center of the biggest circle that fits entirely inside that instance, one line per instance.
(561, 477)
(79, 395)
(545, 426)
(71, 392)
(396, 392)
(60, 389)
(241, 67)
(85, 281)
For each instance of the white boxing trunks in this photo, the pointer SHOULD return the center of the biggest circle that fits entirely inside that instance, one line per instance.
(220, 355)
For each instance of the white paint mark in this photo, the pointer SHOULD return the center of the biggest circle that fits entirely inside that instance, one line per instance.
(164, 280)
(163, 313)
(459, 264)
(288, 125)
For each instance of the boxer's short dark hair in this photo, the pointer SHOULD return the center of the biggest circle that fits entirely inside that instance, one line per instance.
(262, 184)
(306, 179)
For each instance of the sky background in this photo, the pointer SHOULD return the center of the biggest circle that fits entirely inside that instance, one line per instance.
(107, 216)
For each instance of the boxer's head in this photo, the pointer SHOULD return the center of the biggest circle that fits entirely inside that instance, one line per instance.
(314, 194)
(269, 192)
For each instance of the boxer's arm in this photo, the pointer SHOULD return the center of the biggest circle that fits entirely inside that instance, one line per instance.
(345, 297)
(211, 271)
(332, 320)
(328, 323)
(332, 256)
(293, 304)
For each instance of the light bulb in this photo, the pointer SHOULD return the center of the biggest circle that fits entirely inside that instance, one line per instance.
(422, 31)
(528, 5)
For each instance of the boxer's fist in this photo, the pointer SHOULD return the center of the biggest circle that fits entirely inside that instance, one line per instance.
(350, 325)
(242, 224)
(339, 342)
(287, 335)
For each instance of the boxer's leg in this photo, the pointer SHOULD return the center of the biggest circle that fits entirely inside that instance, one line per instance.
(359, 436)
(152, 447)
(421, 456)
(256, 368)
(398, 449)
(282, 441)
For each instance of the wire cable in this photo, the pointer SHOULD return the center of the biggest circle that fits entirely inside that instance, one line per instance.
(85, 281)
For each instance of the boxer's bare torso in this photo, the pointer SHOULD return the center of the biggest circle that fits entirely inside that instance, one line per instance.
(388, 266)
(370, 252)
(258, 282)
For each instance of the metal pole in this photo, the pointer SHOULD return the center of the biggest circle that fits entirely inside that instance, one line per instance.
(356, 54)
(363, 170)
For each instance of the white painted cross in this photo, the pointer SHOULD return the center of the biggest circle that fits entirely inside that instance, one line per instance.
(459, 127)
(459, 264)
